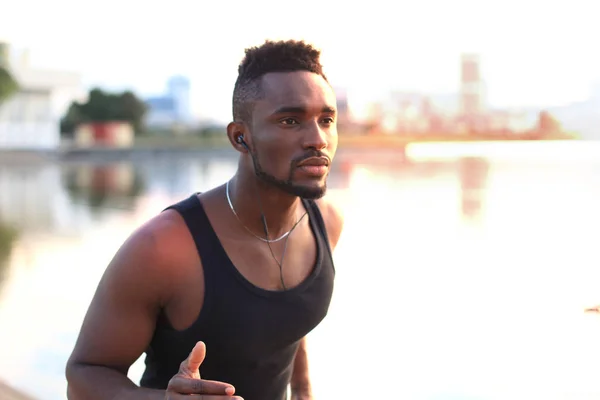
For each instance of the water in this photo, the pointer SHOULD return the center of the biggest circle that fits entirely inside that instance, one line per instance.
(462, 273)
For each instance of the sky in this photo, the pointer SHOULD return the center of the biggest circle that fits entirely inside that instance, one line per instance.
(533, 53)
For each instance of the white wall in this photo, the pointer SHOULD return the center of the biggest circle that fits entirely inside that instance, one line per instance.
(30, 119)
(26, 122)
(29, 136)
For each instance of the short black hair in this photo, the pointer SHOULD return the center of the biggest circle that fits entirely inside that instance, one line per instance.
(271, 56)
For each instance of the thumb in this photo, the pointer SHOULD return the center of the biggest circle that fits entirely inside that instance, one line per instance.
(196, 357)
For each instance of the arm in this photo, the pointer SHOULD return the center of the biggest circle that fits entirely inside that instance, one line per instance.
(334, 221)
(120, 320)
(300, 382)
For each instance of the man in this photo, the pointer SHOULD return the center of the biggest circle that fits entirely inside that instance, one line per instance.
(221, 289)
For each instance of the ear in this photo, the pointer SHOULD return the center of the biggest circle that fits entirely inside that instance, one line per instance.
(234, 130)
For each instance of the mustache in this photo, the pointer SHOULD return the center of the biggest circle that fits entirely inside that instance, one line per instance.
(311, 154)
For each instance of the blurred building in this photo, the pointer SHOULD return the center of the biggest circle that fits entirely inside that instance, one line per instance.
(464, 112)
(344, 116)
(412, 113)
(342, 103)
(172, 108)
(472, 94)
(471, 85)
(105, 134)
(30, 119)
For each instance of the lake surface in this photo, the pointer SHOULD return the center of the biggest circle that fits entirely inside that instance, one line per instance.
(462, 273)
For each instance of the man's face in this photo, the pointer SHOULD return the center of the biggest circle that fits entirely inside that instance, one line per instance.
(294, 133)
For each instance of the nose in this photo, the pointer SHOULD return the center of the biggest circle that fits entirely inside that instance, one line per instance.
(315, 137)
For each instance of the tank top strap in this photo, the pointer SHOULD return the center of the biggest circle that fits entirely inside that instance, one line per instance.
(197, 222)
(314, 213)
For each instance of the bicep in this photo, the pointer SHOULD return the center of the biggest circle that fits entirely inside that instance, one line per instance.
(120, 320)
(334, 221)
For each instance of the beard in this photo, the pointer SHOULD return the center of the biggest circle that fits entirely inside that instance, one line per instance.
(288, 185)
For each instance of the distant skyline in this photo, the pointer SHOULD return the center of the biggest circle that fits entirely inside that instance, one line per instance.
(532, 53)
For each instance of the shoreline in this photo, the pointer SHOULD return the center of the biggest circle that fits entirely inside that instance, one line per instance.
(193, 147)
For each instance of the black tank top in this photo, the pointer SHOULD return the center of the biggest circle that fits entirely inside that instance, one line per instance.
(251, 334)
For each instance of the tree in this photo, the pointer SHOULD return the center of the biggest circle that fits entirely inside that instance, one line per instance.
(8, 235)
(103, 106)
(132, 109)
(71, 119)
(8, 85)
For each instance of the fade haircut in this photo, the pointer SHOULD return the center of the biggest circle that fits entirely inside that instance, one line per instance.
(272, 56)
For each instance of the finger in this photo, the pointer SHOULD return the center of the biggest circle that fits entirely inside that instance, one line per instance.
(196, 357)
(183, 385)
(203, 397)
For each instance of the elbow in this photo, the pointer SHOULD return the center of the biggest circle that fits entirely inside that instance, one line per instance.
(71, 393)
(72, 371)
(71, 374)
(76, 374)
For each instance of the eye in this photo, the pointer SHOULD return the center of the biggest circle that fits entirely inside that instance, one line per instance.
(289, 121)
(328, 120)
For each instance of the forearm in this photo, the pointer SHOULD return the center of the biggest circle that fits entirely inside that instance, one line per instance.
(300, 375)
(88, 382)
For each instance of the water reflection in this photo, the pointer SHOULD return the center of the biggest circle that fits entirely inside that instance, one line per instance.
(473, 173)
(29, 199)
(104, 186)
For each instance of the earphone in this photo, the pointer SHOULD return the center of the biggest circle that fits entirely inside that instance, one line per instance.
(240, 140)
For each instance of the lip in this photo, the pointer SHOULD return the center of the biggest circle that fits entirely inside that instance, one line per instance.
(314, 162)
(318, 171)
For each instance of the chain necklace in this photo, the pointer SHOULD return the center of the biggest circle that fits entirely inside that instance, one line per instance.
(267, 240)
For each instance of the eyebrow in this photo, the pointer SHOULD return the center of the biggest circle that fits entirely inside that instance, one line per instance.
(301, 110)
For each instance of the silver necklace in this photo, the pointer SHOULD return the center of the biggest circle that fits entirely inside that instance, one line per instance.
(267, 240)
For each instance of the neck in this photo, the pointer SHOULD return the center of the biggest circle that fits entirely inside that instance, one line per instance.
(251, 197)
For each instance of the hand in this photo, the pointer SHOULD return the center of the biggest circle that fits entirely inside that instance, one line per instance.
(187, 384)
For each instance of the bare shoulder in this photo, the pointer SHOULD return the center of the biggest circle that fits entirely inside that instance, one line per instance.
(150, 261)
(139, 281)
(161, 248)
(334, 219)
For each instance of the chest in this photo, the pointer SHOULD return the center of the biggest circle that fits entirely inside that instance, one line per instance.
(242, 323)
(256, 323)
(270, 299)
(245, 311)
(275, 266)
